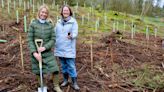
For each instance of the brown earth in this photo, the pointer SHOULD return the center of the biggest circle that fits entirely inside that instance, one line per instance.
(125, 56)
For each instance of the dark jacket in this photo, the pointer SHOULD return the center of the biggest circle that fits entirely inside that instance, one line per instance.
(43, 31)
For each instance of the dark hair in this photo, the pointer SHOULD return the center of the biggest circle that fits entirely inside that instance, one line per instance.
(61, 13)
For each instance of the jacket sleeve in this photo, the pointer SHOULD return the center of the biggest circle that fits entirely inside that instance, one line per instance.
(51, 42)
(55, 35)
(31, 42)
(74, 30)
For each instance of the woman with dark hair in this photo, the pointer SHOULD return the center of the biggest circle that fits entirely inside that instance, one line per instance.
(66, 31)
(42, 28)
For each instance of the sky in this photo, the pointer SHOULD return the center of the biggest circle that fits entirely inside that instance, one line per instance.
(161, 4)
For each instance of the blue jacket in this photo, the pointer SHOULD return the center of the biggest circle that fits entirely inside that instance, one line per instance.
(65, 47)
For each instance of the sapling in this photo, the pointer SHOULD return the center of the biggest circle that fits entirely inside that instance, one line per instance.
(155, 32)
(8, 7)
(82, 20)
(96, 25)
(17, 16)
(117, 25)
(25, 24)
(24, 6)
(132, 30)
(105, 19)
(33, 8)
(147, 33)
(28, 5)
(88, 18)
(98, 22)
(114, 27)
(20, 3)
(2, 3)
(14, 5)
(124, 25)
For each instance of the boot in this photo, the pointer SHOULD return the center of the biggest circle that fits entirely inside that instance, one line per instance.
(65, 82)
(74, 83)
(56, 83)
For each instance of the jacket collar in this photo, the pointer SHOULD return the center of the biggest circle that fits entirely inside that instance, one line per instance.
(46, 22)
(70, 21)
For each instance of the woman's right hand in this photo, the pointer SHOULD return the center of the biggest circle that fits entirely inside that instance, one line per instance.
(37, 56)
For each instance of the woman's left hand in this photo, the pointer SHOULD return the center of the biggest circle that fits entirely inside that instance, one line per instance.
(41, 49)
(69, 37)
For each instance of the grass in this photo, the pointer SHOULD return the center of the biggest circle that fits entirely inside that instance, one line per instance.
(111, 18)
(144, 77)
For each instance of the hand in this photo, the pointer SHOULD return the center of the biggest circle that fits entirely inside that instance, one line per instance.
(37, 56)
(69, 37)
(41, 49)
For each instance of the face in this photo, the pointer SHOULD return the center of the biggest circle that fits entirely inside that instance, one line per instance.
(66, 12)
(43, 14)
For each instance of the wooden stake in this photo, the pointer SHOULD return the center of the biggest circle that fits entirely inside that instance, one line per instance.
(21, 47)
(162, 44)
(21, 50)
(91, 46)
(68, 88)
(3, 29)
(112, 62)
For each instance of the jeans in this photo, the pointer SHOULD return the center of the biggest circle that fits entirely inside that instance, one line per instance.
(68, 66)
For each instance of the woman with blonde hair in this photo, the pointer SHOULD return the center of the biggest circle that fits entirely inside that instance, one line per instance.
(41, 28)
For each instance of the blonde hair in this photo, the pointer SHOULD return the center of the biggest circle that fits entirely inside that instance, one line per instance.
(40, 8)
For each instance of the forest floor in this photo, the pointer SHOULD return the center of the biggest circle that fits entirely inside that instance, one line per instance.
(120, 64)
